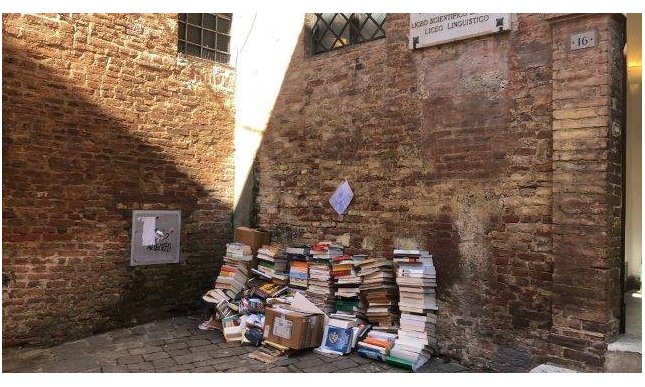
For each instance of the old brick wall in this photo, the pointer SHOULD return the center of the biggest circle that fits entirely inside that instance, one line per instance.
(101, 116)
(453, 146)
(588, 126)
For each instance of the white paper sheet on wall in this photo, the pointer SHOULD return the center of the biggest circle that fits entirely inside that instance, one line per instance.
(341, 198)
(148, 232)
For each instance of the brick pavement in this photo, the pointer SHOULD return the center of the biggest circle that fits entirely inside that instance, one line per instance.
(176, 345)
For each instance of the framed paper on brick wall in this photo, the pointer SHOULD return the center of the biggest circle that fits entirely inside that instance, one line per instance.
(155, 237)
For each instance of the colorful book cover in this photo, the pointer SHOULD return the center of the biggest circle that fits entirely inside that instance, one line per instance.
(338, 339)
(362, 352)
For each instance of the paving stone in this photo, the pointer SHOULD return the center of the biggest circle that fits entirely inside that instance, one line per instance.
(140, 367)
(191, 358)
(163, 363)
(344, 363)
(361, 360)
(207, 362)
(144, 350)
(309, 362)
(227, 352)
(226, 365)
(111, 355)
(449, 367)
(198, 342)
(112, 368)
(372, 367)
(293, 368)
(203, 348)
(278, 369)
(285, 362)
(134, 359)
(155, 342)
(175, 345)
(179, 368)
(178, 352)
(78, 365)
(203, 369)
(326, 367)
(155, 356)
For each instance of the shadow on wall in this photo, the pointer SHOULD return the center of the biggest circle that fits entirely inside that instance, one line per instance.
(71, 176)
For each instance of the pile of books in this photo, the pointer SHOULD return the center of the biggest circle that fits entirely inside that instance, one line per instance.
(272, 264)
(239, 252)
(417, 280)
(326, 250)
(379, 292)
(281, 266)
(321, 286)
(298, 267)
(321, 290)
(376, 345)
(236, 269)
(347, 281)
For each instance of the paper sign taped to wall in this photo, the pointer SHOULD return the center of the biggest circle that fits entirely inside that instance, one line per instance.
(148, 231)
(341, 198)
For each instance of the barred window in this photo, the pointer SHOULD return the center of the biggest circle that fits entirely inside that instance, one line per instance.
(336, 30)
(206, 35)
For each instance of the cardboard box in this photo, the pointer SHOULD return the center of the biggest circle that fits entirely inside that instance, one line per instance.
(293, 329)
(252, 237)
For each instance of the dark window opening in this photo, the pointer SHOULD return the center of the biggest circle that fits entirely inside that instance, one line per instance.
(205, 35)
(336, 30)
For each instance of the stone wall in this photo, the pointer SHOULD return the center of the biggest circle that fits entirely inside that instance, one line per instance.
(101, 116)
(466, 148)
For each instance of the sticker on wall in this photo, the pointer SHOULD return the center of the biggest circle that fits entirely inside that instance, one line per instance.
(342, 197)
(148, 233)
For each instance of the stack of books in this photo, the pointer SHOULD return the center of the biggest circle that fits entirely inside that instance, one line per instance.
(321, 286)
(281, 266)
(326, 250)
(298, 272)
(417, 280)
(347, 281)
(298, 267)
(232, 277)
(376, 345)
(272, 264)
(379, 292)
(239, 252)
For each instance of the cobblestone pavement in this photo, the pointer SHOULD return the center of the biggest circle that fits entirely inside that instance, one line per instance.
(176, 345)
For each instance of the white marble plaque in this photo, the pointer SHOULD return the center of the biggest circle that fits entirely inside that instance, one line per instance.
(583, 40)
(430, 29)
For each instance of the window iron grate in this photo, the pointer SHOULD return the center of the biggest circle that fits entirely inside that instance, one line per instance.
(205, 35)
(336, 30)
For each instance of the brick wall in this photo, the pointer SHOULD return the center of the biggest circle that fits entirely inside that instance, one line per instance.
(101, 116)
(588, 108)
(461, 147)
